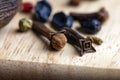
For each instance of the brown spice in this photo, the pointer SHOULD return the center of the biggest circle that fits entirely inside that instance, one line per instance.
(95, 40)
(57, 40)
(75, 2)
(84, 45)
(102, 15)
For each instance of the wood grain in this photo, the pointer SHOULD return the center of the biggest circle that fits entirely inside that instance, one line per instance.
(18, 70)
(30, 47)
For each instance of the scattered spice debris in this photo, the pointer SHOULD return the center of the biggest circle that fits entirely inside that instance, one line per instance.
(95, 40)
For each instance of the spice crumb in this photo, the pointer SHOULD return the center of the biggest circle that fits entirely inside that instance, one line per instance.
(96, 40)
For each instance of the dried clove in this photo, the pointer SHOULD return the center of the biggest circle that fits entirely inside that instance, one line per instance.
(91, 22)
(57, 40)
(81, 43)
(75, 2)
(95, 40)
(102, 15)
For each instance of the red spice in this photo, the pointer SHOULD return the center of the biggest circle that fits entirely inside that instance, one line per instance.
(27, 7)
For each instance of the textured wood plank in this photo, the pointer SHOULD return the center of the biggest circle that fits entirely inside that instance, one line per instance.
(29, 47)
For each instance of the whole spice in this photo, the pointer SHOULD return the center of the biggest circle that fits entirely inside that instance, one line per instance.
(25, 24)
(81, 43)
(75, 2)
(91, 22)
(27, 7)
(57, 40)
(43, 10)
(8, 9)
(95, 40)
(60, 20)
(102, 15)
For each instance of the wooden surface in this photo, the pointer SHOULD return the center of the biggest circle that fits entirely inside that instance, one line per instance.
(29, 47)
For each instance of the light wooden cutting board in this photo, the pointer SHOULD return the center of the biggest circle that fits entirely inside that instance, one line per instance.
(29, 47)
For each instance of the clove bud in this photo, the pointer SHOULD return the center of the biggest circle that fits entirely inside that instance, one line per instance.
(57, 40)
(81, 43)
(8, 9)
(102, 15)
(91, 22)
(75, 2)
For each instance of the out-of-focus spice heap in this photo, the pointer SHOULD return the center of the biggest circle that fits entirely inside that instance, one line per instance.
(8, 9)
(75, 2)
(91, 23)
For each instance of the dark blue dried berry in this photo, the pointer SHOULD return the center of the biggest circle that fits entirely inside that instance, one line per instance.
(90, 26)
(60, 20)
(43, 10)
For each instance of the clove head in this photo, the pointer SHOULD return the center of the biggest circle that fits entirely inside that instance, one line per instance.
(102, 15)
(58, 41)
(8, 9)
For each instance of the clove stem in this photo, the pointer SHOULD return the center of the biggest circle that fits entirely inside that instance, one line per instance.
(81, 43)
(57, 40)
(42, 29)
(101, 15)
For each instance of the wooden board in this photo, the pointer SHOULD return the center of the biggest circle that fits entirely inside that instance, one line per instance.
(29, 47)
